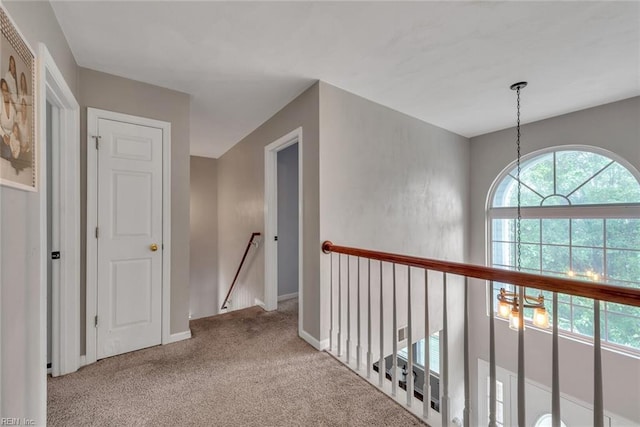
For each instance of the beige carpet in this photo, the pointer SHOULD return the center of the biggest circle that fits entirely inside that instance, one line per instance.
(246, 368)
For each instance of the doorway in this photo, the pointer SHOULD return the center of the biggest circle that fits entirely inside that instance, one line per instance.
(288, 248)
(284, 221)
(128, 233)
(50, 234)
(59, 173)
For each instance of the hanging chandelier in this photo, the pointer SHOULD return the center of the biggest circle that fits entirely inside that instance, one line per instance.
(509, 303)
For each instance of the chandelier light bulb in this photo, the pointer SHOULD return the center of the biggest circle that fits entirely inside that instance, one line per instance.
(541, 317)
(504, 309)
(570, 273)
(514, 319)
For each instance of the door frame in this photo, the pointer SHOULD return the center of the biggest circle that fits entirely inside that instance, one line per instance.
(271, 221)
(65, 304)
(93, 115)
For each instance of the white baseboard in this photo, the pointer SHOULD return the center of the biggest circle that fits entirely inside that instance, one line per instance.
(196, 316)
(259, 303)
(287, 296)
(185, 335)
(318, 345)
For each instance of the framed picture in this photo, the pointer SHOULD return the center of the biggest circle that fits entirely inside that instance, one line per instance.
(18, 144)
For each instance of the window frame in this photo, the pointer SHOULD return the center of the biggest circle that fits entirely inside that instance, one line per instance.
(582, 211)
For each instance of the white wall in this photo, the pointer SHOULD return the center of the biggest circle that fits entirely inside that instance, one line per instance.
(288, 220)
(393, 183)
(203, 260)
(615, 127)
(23, 382)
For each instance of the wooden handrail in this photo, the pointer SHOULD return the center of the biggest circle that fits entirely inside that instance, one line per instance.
(580, 288)
(224, 304)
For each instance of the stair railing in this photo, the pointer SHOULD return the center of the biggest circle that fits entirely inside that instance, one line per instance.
(596, 291)
(252, 242)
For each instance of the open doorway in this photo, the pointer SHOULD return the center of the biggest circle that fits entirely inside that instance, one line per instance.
(50, 238)
(59, 206)
(288, 247)
(284, 222)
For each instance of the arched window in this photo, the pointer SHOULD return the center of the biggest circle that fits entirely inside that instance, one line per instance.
(580, 217)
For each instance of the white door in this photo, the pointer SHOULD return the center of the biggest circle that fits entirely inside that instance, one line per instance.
(129, 305)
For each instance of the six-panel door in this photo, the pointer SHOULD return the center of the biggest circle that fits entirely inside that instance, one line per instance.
(129, 237)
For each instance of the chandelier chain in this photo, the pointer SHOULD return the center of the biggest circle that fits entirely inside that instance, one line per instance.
(518, 221)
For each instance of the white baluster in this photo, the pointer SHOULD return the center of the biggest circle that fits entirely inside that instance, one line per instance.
(382, 364)
(492, 360)
(555, 369)
(369, 353)
(394, 365)
(444, 400)
(426, 386)
(409, 378)
(467, 404)
(348, 309)
(331, 302)
(521, 367)
(598, 405)
(339, 305)
(358, 346)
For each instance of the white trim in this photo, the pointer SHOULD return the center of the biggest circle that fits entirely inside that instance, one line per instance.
(573, 147)
(65, 307)
(286, 297)
(271, 221)
(93, 115)
(179, 336)
(318, 345)
(259, 303)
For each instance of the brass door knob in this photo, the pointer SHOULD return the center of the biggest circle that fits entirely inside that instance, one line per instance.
(153, 247)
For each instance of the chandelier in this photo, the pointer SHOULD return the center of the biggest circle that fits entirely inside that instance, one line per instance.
(509, 303)
(509, 308)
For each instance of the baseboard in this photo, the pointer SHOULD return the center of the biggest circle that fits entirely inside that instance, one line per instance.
(259, 303)
(196, 316)
(179, 337)
(83, 360)
(318, 345)
(287, 296)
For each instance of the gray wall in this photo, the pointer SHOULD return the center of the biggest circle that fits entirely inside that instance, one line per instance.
(203, 290)
(393, 183)
(108, 92)
(22, 376)
(615, 127)
(241, 207)
(288, 220)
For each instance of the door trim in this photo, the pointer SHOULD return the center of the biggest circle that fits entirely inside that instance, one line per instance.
(93, 115)
(65, 304)
(271, 221)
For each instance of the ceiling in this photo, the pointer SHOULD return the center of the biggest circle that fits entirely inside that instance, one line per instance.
(447, 63)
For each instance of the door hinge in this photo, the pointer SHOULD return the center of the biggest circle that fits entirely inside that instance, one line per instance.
(95, 321)
(97, 232)
(97, 138)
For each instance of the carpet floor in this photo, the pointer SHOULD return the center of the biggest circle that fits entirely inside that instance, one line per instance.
(245, 368)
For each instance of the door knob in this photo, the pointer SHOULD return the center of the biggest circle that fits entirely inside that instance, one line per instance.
(153, 247)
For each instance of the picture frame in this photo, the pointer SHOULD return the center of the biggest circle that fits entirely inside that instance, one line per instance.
(19, 146)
